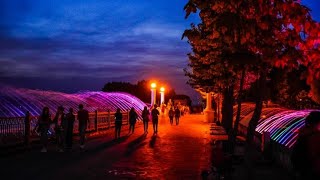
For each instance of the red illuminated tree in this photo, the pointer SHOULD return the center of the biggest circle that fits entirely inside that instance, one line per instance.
(236, 35)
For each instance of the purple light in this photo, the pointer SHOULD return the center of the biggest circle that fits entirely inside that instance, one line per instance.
(16, 102)
(283, 124)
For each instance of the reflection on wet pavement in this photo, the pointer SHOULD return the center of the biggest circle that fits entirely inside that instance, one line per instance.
(176, 152)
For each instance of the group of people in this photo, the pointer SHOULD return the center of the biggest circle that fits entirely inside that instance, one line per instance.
(174, 114)
(63, 127)
(133, 119)
(133, 116)
(64, 124)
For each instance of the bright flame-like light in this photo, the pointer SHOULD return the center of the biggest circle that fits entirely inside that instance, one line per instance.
(162, 89)
(153, 85)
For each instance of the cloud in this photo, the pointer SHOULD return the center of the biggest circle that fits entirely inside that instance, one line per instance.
(160, 30)
(74, 42)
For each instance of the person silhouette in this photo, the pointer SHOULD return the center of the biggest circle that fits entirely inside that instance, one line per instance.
(118, 123)
(44, 122)
(145, 118)
(155, 113)
(305, 152)
(132, 120)
(60, 127)
(177, 115)
(83, 117)
(70, 118)
(171, 115)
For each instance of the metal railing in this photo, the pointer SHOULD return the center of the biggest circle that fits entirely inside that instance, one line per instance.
(17, 130)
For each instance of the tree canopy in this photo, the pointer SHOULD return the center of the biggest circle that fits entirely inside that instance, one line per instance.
(237, 38)
(236, 33)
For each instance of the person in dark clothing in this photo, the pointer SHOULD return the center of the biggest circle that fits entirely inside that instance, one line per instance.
(155, 113)
(171, 115)
(70, 118)
(118, 123)
(305, 153)
(60, 127)
(177, 115)
(44, 122)
(132, 120)
(83, 117)
(145, 119)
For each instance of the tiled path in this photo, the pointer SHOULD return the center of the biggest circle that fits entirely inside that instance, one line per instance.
(177, 152)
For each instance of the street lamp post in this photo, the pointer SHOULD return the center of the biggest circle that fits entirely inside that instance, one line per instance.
(153, 93)
(162, 95)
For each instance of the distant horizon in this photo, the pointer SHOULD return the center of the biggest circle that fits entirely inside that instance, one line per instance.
(194, 99)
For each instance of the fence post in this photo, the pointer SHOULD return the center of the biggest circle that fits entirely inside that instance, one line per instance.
(96, 121)
(27, 129)
(109, 118)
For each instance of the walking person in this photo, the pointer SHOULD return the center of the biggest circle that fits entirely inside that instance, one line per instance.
(132, 120)
(118, 123)
(70, 118)
(43, 127)
(145, 119)
(155, 113)
(171, 115)
(177, 115)
(83, 118)
(60, 127)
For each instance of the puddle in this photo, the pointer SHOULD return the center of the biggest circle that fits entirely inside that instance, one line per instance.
(126, 173)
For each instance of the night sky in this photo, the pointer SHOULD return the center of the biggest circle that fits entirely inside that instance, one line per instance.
(71, 45)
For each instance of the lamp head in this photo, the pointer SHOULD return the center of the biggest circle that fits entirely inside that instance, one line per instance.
(153, 85)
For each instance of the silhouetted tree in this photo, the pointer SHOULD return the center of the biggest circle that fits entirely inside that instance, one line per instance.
(183, 97)
(140, 90)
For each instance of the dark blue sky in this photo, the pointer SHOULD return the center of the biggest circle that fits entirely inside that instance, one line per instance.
(70, 45)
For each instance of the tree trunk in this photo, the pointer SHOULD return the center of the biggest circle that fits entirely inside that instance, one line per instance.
(258, 109)
(227, 108)
(227, 115)
(234, 133)
(239, 101)
(250, 148)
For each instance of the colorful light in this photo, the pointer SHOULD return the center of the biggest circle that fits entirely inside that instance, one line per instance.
(283, 124)
(16, 102)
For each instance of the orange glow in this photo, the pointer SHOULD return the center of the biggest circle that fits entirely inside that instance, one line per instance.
(162, 89)
(153, 85)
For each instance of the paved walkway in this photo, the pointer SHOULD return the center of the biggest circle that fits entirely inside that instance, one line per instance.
(177, 152)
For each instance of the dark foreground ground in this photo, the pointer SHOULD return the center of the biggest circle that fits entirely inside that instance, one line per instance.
(177, 152)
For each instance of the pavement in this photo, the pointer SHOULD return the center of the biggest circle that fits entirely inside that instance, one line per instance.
(177, 152)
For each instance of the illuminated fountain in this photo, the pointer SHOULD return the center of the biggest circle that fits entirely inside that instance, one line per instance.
(246, 108)
(16, 102)
(282, 124)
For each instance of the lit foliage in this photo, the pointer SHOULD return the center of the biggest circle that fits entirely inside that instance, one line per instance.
(236, 34)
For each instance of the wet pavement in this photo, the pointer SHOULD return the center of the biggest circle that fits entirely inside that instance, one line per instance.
(176, 152)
